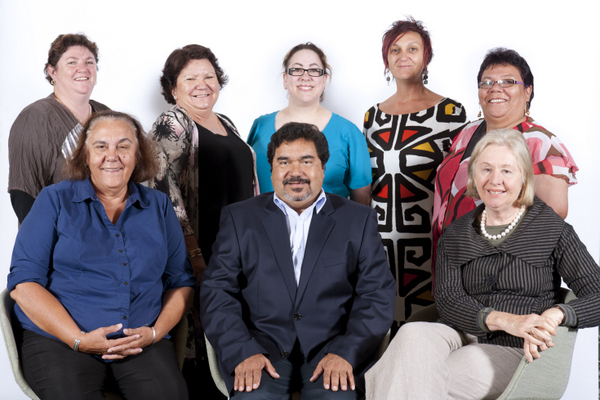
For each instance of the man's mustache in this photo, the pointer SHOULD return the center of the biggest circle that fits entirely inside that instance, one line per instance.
(296, 180)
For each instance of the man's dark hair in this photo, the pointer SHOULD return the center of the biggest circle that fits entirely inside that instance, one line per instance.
(293, 131)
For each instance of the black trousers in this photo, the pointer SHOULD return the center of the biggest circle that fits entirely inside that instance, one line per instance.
(55, 371)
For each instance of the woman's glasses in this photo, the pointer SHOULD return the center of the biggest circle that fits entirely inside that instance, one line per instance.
(503, 83)
(314, 72)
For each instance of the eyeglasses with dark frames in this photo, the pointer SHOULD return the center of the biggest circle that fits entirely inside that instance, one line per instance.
(314, 72)
(503, 83)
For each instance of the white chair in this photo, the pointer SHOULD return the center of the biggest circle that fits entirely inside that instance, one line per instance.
(179, 336)
(545, 378)
(11, 345)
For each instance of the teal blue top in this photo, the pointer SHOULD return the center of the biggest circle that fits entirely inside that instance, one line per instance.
(349, 165)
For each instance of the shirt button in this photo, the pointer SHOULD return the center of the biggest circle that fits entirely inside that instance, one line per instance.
(120, 250)
(284, 354)
(124, 316)
(124, 264)
(117, 235)
(297, 317)
(126, 283)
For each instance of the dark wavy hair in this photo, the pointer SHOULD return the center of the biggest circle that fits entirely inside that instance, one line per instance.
(62, 44)
(503, 56)
(146, 163)
(398, 29)
(179, 59)
(293, 131)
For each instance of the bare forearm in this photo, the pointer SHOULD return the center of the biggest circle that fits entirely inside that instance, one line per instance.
(176, 303)
(196, 258)
(45, 311)
(554, 192)
(362, 195)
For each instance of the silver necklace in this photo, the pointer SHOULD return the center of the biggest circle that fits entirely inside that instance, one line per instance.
(507, 230)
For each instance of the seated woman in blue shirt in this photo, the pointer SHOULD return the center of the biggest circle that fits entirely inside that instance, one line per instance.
(100, 273)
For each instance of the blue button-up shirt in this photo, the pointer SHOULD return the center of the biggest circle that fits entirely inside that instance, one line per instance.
(102, 273)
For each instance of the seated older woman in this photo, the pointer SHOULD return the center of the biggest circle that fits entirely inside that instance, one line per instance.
(100, 273)
(499, 270)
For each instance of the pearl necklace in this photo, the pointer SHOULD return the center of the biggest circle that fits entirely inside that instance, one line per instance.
(506, 231)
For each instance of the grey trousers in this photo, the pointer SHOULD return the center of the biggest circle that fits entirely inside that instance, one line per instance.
(434, 361)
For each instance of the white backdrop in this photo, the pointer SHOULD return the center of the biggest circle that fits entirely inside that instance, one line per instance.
(250, 38)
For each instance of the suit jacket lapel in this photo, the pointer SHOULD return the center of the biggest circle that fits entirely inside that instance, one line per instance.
(276, 228)
(320, 228)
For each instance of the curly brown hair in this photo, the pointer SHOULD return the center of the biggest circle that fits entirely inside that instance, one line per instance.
(178, 60)
(62, 44)
(146, 162)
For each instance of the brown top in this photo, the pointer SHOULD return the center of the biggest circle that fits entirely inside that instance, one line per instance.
(36, 142)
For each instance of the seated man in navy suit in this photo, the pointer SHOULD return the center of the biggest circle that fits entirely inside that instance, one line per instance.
(298, 293)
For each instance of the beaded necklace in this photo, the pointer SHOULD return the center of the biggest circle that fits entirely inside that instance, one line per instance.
(506, 231)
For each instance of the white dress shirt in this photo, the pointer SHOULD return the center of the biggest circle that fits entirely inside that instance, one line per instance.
(298, 226)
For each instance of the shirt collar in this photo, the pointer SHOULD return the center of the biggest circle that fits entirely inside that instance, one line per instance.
(317, 204)
(84, 190)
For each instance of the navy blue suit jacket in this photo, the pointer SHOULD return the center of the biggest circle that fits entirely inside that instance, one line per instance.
(250, 303)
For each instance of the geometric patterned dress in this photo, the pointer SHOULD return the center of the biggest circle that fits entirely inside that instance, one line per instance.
(405, 152)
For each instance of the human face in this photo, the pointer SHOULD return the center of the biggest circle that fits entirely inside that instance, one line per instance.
(297, 174)
(197, 88)
(503, 108)
(405, 57)
(305, 88)
(499, 181)
(111, 149)
(75, 72)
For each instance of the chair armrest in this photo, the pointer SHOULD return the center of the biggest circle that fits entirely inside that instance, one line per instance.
(213, 363)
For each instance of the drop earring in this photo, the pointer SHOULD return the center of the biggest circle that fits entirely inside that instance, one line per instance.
(388, 77)
(425, 76)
